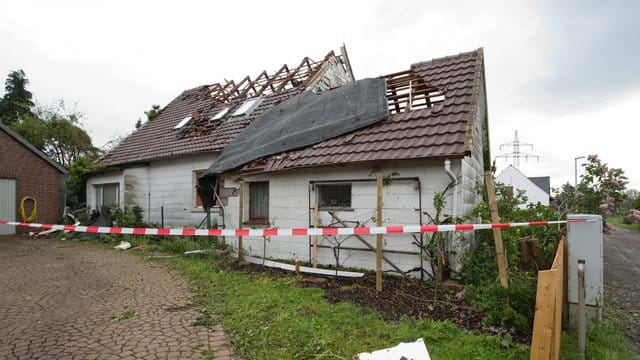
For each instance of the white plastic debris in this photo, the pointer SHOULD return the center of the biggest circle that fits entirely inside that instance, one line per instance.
(416, 350)
(124, 245)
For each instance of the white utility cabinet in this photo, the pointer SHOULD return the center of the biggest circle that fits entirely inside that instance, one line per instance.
(585, 241)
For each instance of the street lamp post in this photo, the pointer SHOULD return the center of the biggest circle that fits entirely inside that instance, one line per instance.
(576, 169)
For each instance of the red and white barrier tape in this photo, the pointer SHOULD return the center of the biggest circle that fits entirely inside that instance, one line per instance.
(401, 229)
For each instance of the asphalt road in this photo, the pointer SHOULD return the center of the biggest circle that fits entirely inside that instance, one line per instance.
(622, 278)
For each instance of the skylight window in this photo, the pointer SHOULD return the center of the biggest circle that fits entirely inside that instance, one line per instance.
(247, 107)
(220, 114)
(183, 122)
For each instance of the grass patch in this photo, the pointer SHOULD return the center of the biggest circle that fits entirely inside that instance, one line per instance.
(276, 319)
(124, 316)
(205, 320)
(604, 341)
(618, 221)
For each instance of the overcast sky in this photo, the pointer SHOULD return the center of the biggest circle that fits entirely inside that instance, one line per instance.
(564, 74)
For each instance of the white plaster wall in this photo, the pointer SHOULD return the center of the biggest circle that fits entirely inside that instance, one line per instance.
(171, 185)
(291, 202)
(513, 177)
(136, 187)
(165, 183)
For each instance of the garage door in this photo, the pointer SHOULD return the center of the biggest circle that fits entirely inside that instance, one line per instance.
(7, 205)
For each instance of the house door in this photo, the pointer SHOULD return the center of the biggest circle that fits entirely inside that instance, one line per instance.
(7, 205)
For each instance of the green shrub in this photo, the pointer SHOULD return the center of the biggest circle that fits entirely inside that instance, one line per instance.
(130, 217)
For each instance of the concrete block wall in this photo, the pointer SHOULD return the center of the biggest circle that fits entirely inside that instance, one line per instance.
(168, 184)
(291, 201)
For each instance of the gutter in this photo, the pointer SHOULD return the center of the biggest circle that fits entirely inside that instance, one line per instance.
(454, 181)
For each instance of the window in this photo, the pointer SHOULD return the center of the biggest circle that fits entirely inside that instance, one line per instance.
(197, 201)
(334, 195)
(508, 191)
(259, 202)
(108, 195)
(183, 122)
(219, 115)
(247, 107)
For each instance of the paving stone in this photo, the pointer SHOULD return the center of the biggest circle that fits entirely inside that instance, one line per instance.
(68, 300)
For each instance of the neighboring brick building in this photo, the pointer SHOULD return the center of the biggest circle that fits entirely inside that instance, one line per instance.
(27, 172)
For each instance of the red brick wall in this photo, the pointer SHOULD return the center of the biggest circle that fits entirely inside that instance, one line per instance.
(34, 177)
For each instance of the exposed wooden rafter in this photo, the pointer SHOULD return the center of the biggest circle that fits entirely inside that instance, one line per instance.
(264, 84)
(406, 91)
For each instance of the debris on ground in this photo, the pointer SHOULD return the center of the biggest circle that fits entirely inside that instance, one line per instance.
(124, 245)
(416, 350)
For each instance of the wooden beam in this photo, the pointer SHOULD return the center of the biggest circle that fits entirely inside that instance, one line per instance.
(546, 293)
(379, 236)
(366, 243)
(558, 264)
(497, 233)
(316, 222)
(240, 217)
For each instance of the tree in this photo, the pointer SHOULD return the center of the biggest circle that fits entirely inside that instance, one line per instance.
(58, 133)
(153, 112)
(600, 190)
(79, 170)
(17, 101)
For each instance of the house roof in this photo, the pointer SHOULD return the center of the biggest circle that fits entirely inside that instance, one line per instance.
(33, 149)
(432, 105)
(543, 182)
(158, 138)
(440, 129)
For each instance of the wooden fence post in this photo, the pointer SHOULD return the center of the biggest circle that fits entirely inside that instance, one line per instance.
(559, 265)
(379, 236)
(547, 322)
(497, 233)
(544, 318)
(240, 218)
(316, 222)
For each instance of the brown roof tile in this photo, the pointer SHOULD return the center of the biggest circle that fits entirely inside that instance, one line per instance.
(438, 131)
(158, 139)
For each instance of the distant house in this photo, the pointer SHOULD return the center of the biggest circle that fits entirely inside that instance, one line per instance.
(27, 172)
(536, 189)
(311, 137)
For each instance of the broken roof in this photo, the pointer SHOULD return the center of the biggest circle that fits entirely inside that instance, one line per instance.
(306, 119)
(432, 106)
(161, 138)
(446, 92)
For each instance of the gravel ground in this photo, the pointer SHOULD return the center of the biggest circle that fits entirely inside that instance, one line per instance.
(62, 299)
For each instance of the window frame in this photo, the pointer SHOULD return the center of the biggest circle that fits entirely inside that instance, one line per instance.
(319, 191)
(253, 218)
(197, 202)
(100, 195)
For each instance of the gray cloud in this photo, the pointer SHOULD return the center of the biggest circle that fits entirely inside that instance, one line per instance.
(594, 51)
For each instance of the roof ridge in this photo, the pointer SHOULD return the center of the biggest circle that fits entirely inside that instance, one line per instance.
(478, 51)
(30, 146)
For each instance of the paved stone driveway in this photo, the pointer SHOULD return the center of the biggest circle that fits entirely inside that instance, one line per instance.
(64, 300)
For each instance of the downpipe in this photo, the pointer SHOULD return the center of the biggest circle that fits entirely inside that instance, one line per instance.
(454, 181)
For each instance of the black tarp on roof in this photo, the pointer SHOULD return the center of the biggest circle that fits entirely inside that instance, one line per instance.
(307, 119)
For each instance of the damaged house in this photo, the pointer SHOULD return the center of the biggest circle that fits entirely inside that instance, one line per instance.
(304, 144)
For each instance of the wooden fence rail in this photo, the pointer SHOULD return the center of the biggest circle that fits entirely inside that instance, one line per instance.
(547, 321)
